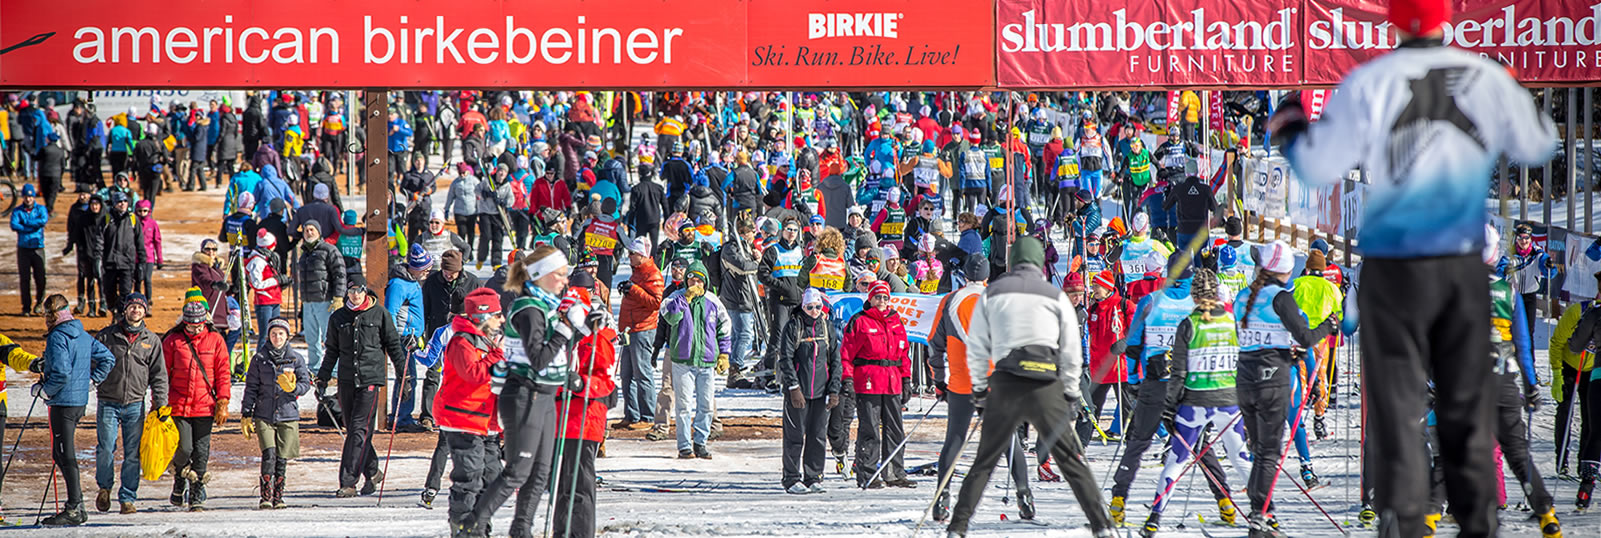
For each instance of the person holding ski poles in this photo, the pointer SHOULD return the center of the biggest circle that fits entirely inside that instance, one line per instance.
(1271, 327)
(1201, 393)
(1570, 384)
(1519, 385)
(1150, 338)
(1428, 123)
(1583, 344)
(466, 406)
(72, 360)
(1027, 328)
(13, 356)
(809, 370)
(541, 326)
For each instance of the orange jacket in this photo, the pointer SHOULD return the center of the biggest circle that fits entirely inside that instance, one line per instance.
(640, 304)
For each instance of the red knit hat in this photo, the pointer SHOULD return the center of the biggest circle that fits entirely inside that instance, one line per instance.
(1104, 279)
(1073, 282)
(1419, 17)
(481, 302)
(878, 288)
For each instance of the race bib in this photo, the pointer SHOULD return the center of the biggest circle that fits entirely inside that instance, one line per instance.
(833, 282)
(598, 241)
(1067, 169)
(1134, 267)
(928, 286)
(1264, 338)
(892, 228)
(1161, 337)
(997, 162)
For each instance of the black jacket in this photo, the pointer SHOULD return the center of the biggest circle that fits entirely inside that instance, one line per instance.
(227, 137)
(808, 356)
(321, 273)
(85, 232)
(140, 366)
(646, 205)
(52, 163)
(147, 154)
(745, 190)
(738, 288)
(702, 199)
(1195, 203)
(263, 398)
(442, 299)
(678, 175)
(359, 343)
(255, 127)
(785, 290)
(124, 242)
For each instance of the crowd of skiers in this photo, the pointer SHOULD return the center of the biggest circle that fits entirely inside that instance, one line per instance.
(740, 220)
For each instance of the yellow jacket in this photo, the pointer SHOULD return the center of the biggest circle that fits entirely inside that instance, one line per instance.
(1560, 356)
(16, 358)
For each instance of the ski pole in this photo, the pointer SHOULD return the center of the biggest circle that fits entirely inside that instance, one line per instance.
(18, 442)
(906, 438)
(1295, 422)
(1197, 459)
(1315, 504)
(394, 422)
(583, 423)
(47, 487)
(945, 477)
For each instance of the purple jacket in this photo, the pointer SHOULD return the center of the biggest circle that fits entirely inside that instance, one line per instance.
(695, 340)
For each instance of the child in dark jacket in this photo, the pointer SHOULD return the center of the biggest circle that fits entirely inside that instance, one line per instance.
(809, 371)
(277, 378)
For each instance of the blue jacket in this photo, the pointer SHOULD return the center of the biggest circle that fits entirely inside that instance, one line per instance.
(272, 187)
(29, 225)
(398, 140)
(73, 360)
(403, 300)
(241, 182)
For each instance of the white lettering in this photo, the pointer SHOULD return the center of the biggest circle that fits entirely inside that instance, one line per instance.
(174, 41)
(636, 45)
(244, 37)
(97, 44)
(513, 32)
(133, 38)
(474, 44)
(368, 33)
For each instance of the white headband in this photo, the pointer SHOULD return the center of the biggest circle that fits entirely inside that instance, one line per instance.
(551, 263)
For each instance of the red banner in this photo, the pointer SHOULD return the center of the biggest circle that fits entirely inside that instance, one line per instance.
(1271, 43)
(498, 44)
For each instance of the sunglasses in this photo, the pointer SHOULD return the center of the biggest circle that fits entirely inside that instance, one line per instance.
(813, 307)
(211, 250)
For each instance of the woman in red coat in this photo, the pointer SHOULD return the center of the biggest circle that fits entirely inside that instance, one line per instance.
(874, 361)
(197, 374)
(466, 405)
(1110, 318)
(583, 406)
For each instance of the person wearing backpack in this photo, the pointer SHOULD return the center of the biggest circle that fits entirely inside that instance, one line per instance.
(197, 369)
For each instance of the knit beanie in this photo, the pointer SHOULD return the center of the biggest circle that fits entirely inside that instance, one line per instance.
(419, 259)
(1028, 251)
(1204, 284)
(195, 312)
(193, 295)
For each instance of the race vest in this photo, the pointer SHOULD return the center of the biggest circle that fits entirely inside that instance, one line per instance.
(828, 273)
(1174, 157)
(1162, 324)
(1265, 329)
(1139, 168)
(926, 172)
(676, 250)
(1236, 278)
(787, 262)
(1039, 133)
(1213, 349)
(233, 229)
(996, 158)
(1093, 266)
(1138, 258)
(975, 166)
(517, 363)
(601, 237)
(1067, 170)
(350, 246)
(545, 239)
(1503, 303)
(894, 225)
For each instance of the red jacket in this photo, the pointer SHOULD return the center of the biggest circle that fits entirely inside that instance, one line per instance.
(465, 402)
(1109, 322)
(196, 383)
(586, 411)
(873, 352)
(548, 193)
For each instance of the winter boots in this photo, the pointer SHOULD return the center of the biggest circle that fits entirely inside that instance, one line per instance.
(372, 483)
(278, 491)
(197, 489)
(266, 493)
(272, 492)
(103, 500)
(1116, 509)
(658, 432)
(72, 516)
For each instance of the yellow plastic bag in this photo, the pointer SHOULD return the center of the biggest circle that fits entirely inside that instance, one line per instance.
(159, 443)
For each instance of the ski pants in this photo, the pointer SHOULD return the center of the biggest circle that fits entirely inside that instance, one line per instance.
(960, 409)
(1014, 401)
(1574, 396)
(1263, 387)
(1512, 434)
(30, 273)
(90, 288)
(358, 457)
(839, 420)
(1427, 317)
(528, 418)
(1152, 394)
(63, 430)
(805, 441)
(477, 461)
(1188, 425)
(491, 229)
(1590, 445)
(436, 464)
(574, 514)
(879, 430)
(466, 227)
(1098, 393)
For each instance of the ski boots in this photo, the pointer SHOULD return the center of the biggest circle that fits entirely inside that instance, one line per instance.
(1587, 478)
(1308, 475)
(839, 463)
(1025, 504)
(1432, 521)
(942, 507)
(1319, 429)
(1263, 526)
(1368, 518)
(1226, 511)
(1047, 474)
(1117, 510)
(428, 496)
(1152, 524)
(1549, 526)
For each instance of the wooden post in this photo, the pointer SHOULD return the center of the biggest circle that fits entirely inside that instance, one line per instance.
(375, 105)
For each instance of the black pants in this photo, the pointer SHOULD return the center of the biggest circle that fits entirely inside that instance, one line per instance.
(1426, 319)
(30, 271)
(223, 171)
(805, 441)
(477, 461)
(1531, 308)
(490, 232)
(358, 457)
(194, 452)
(1152, 394)
(878, 431)
(1125, 400)
(1590, 444)
(1262, 386)
(574, 514)
(49, 189)
(606, 268)
(119, 162)
(466, 227)
(777, 317)
(149, 185)
(1512, 434)
(272, 463)
(1015, 401)
(142, 284)
(520, 228)
(63, 426)
(117, 282)
(961, 410)
(1574, 395)
(528, 417)
(436, 463)
(839, 420)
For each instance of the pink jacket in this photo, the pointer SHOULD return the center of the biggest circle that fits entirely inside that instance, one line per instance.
(152, 233)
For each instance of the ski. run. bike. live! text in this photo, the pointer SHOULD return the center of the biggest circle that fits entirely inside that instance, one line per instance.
(858, 55)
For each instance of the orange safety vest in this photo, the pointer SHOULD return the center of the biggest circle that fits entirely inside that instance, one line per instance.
(828, 273)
